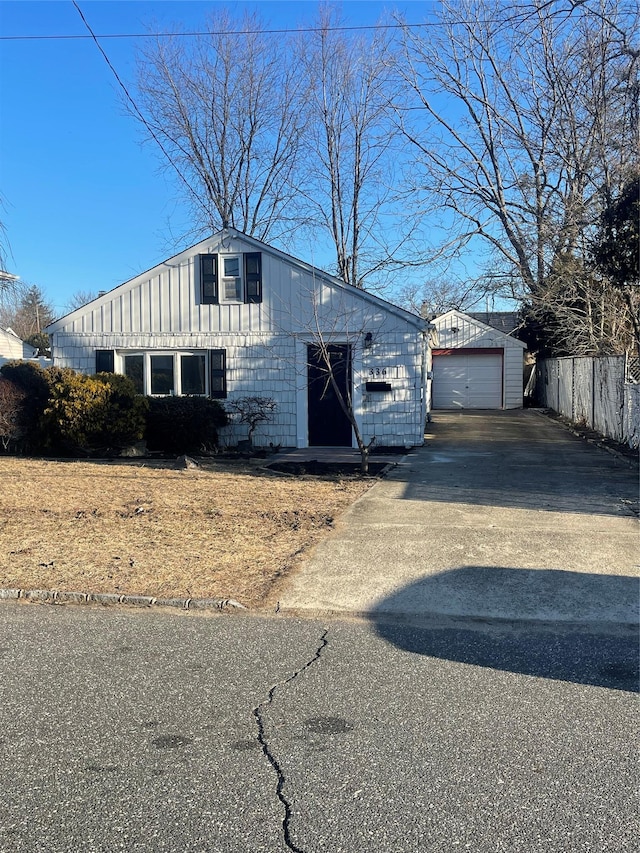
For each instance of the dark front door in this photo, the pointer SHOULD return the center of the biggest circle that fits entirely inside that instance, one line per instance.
(328, 424)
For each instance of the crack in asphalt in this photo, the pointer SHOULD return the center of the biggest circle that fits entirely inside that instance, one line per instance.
(258, 713)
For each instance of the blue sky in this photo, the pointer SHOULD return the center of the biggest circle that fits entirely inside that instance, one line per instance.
(85, 205)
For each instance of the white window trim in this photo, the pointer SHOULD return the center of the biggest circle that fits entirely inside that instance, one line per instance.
(240, 298)
(177, 376)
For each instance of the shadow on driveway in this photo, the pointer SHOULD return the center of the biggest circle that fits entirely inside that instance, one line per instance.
(570, 626)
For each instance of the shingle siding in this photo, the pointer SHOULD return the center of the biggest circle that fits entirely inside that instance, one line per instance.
(265, 342)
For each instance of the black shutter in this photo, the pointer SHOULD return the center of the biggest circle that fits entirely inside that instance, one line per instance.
(208, 279)
(253, 276)
(105, 361)
(218, 374)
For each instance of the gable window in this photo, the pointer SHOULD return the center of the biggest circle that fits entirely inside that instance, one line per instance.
(232, 290)
(231, 278)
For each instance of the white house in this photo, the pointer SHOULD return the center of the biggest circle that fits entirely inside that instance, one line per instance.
(475, 366)
(14, 348)
(233, 317)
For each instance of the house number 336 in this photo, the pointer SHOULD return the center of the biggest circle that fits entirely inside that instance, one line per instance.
(378, 371)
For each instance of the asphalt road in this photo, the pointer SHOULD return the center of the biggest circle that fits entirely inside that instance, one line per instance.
(153, 731)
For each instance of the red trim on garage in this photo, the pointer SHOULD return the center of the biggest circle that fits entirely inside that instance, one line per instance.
(472, 350)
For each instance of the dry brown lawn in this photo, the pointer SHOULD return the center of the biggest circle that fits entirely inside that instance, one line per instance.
(223, 530)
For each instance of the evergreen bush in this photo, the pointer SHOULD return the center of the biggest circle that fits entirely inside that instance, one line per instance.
(125, 416)
(184, 424)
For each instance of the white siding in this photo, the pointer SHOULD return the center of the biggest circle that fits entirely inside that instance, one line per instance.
(456, 330)
(12, 348)
(266, 342)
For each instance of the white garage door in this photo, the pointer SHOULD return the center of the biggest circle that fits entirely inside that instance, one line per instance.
(467, 380)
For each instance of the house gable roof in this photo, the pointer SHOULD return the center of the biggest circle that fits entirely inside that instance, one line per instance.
(203, 247)
(456, 315)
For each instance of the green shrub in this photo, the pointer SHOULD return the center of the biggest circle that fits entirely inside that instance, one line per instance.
(91, 413)
(184, 424)
(125, 416)
(74, 416)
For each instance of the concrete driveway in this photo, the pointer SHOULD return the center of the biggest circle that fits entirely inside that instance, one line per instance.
(501, 516)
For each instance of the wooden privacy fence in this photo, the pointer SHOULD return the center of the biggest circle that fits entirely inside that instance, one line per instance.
(592, 391)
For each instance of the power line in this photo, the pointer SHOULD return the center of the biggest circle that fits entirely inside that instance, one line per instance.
(260, 31)
(300, 30)
(195, 33)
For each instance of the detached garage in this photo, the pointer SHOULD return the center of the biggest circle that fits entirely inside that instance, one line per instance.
(475, 366)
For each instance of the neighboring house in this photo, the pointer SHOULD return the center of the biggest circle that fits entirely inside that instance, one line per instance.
(13, 348)
(508, 322)
(475, 366)
(233, 317)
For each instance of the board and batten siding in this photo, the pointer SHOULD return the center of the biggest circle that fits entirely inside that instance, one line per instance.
(266, 342)
(473, 334)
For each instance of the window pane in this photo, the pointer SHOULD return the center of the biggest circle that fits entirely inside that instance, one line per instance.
(232, 267)
(133, 368)
(192, 371)
(231, 288)
(104, 361)
(161, 374)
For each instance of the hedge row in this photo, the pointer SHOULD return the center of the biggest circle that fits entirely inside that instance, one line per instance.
(56, 410)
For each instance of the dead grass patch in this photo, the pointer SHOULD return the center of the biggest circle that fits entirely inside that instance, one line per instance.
(219, 531)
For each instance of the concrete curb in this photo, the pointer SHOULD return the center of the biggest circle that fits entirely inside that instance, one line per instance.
(435, 620)
(110, 599)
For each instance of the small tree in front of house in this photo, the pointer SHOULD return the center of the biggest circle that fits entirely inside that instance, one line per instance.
(33, 380)
(334, 332)
(11, 414)
(252, 411)
(328, 366)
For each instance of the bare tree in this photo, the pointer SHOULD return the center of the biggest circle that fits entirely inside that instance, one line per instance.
(7, 279)
(252, 411)
(350, 187)
(225, 109)
(26, 310)
(11, 413)
(79, 299)
(526, 126)
(335, 362)
(435, 296)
